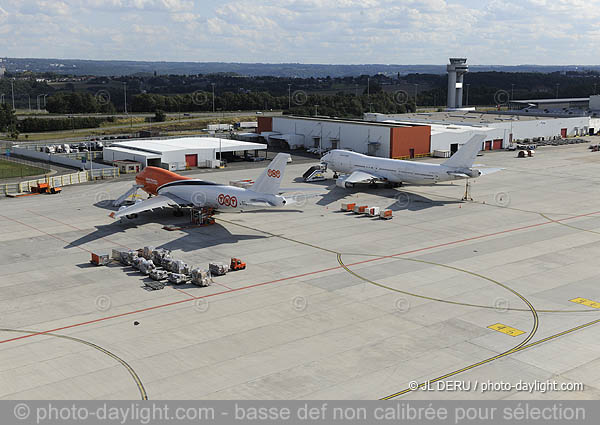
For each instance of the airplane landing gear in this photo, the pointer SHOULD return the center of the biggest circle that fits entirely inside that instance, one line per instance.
(467, 195)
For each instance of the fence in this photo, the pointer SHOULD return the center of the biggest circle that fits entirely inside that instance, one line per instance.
(419, 155)
(17, 167)
(59, 181)
(68, 159)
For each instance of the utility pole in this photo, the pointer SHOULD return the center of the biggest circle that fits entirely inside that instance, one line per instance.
(512, 92)
(557, 86)
(29, 101)
(213, 96)
(289, 96)
(12, 88)
(416, 93)
(125, 95)
(316, 112)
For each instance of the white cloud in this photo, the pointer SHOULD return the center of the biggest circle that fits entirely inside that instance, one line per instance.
(325, 31)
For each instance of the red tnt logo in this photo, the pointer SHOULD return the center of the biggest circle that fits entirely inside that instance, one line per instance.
(273, 173)
(228, 201)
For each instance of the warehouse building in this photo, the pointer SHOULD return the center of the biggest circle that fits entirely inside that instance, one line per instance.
(180, 153)
(388, 140)
(417, 134)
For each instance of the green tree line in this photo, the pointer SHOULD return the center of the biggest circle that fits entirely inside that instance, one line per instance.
(36, 125)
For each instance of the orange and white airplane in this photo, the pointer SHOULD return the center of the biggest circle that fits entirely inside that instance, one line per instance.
(171, 189)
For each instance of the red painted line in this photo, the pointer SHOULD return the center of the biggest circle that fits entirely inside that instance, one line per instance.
(277, 280)
(470, 239)
(89, 322)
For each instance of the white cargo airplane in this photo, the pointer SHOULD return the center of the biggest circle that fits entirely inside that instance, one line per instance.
(355, 168)
(171, 189)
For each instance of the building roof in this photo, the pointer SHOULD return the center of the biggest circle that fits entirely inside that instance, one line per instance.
(352, 121)
(159, 146)
(566, 100)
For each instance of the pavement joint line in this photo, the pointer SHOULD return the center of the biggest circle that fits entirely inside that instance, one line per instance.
(507, 353)
(531, 334)
(268, 282)
(132, 372)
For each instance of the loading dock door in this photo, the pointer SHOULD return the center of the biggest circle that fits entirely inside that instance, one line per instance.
(563, 132)
(488, 145)
(497, 144)
(191, 160)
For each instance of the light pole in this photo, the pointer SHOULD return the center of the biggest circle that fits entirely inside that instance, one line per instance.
(213, 96)
(12, 88)
(289, 96)
(125, 96)
(512, 92)
(557, 86)
(29, 101)
(416, 93)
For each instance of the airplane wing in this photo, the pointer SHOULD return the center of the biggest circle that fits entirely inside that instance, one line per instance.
(486, 171)
(360, 176)
(159, 201)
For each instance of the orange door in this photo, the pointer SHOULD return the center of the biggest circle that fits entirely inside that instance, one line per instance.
(497, 144)
(488, 145)
(191, 160)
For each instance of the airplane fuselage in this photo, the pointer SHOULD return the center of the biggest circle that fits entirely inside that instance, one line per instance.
(393, 170)
(201, 193)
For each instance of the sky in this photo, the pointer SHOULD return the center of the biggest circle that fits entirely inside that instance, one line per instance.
(500, 32)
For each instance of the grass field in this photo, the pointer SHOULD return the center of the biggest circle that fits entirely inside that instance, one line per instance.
(123, 126)
(12, 169)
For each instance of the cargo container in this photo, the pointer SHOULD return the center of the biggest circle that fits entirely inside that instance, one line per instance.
(360, 209)
(348, 207)
(373, 211)
(386, 214)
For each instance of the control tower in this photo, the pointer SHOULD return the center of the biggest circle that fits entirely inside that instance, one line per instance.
(457, 68)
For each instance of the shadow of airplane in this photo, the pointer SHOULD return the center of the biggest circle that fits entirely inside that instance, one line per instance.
(401, 200)
(195, 237)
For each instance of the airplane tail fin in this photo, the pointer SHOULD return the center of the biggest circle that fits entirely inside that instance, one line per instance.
(466, 154)
(270, 179)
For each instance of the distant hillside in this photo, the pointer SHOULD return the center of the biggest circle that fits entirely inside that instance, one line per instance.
(100, 68)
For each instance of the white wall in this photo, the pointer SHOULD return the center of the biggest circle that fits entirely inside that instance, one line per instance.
(56, 158)
(351, 136)
(543, 128)
(109, 155)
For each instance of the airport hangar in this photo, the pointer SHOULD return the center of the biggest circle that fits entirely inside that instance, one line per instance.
(179, 153)
(413, 135)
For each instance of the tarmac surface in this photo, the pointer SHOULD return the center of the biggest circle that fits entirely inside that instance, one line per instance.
(331, 306)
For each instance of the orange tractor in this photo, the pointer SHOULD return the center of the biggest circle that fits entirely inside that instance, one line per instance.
(237, 264)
